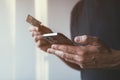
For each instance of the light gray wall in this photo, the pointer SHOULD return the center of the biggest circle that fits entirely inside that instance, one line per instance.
(25, 48)
(59, 21)
(18, 62)
(6, 47)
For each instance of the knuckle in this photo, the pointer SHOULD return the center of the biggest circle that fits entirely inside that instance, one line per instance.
(81, 60)
(62, 47)
(76, 50)
(82, 53)
(64, 56)
(66, 59)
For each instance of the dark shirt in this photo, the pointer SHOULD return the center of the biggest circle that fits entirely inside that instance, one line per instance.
(99, 18)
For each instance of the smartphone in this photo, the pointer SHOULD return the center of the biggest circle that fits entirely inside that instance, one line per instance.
(57, 38)
(33, 21)
(36, 23)
(53, 38)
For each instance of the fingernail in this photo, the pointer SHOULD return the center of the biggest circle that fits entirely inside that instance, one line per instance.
(51, 51)
(54, 46)
(81, 38)
(59, 53)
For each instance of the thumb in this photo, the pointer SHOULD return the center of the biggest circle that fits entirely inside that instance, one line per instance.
(87, 40)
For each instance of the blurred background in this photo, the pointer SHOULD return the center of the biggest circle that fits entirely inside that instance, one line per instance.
(19, 57)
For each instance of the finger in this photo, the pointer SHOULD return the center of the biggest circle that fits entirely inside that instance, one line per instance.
(42, 42)
(31, 29)
(37, 29)
(66, 56)
(44, 48)
(72, 57)
(79, 60)
(35, 33)
(37, 38)
(55, 52)
(75, 59)
(71, 61)
(80, 39)
(65, 48)
(87, 40)
(50, 50)
(79, 50)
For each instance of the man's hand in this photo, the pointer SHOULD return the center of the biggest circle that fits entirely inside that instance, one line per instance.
(43, 44)
(37, 33)
(92, 54)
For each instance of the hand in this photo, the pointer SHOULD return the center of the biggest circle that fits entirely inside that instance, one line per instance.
(93, 54)
(36, 33)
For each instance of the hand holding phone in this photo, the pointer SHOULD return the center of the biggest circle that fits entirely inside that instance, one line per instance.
(48, 37)
(57, 38)
(36, 30)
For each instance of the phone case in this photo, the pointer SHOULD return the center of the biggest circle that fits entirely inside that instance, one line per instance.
(53, 38)
(33, 21)
(57, 38)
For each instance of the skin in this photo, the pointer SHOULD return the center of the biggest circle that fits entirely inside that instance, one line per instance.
(37, 35)
(91, 54)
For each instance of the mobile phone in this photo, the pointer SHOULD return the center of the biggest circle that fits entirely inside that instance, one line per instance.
(57, 38)
(36, 23)
(53, 38)
(33, 21)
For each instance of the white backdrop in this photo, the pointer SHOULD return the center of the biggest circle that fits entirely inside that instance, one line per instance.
(19, 59)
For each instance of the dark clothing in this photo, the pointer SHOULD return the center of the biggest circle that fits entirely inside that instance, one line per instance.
(99, 18)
